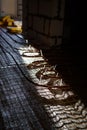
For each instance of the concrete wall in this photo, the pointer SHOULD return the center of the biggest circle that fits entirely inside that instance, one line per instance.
(43, 20)
(9, 7)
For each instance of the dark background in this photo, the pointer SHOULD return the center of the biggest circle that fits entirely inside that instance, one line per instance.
(74, 43)
(71, 56)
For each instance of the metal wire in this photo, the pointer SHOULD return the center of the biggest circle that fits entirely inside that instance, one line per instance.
(20, 104)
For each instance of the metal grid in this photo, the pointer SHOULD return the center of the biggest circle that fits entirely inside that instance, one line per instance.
(15, 106)
(16, 94)
(20, 105)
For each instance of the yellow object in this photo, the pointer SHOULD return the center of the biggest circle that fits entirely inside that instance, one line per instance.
(15, 30)
(9, 23)
(5, 18)
(1, 23)
(9, 20)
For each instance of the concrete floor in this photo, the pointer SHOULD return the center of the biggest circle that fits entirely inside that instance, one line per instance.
(71, 63)
(20, 106)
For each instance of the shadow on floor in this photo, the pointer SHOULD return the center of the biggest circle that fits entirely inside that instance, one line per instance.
(71, 65)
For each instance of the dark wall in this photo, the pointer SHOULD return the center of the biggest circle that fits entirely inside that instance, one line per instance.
(43, 21)
(72, 19)
(75, 17)
(75, 43)
(75, 23)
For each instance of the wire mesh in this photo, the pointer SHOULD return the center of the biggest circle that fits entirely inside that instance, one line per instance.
(21, 105)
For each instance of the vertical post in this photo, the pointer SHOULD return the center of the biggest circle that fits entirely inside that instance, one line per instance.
(25, 4)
